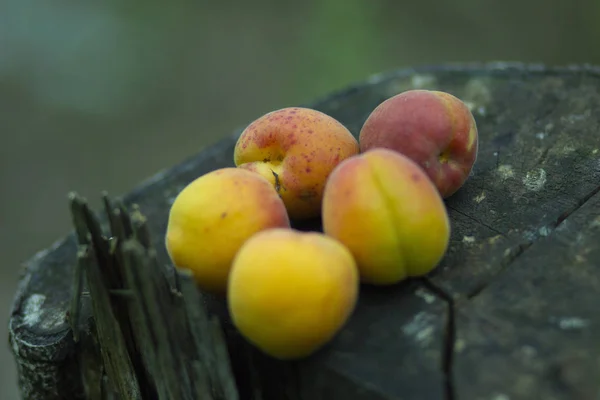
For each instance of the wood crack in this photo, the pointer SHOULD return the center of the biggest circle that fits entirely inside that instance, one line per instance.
(476, 220)
(577, 206)
(512, 253)
(449, 337)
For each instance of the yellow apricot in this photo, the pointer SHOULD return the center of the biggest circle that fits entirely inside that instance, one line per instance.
(290, 292)
(384, 208)
(213, 216)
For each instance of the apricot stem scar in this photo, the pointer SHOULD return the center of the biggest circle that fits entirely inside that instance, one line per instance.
(444, 157)
(277, 183)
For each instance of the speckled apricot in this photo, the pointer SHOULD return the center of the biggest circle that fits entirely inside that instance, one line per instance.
(213, 216)
(434, 129)
(387, 212)
(295, 149)
(291, 292)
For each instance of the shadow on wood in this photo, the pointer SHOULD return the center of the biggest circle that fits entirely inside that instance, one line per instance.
(511, 312)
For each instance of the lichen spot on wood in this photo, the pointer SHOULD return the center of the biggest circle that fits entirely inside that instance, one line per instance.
(570, 323)
(422, 81)
(505, 171)
(468, 239)
(477, 94)
(427, 296)
(535, 180)
(479, 198)
(33, 309)
(36, 315)
(421, 327)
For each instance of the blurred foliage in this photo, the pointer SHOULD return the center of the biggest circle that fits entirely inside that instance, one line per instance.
(343, 45)
(114, 58)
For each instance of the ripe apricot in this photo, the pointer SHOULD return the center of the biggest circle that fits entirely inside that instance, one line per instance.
(295, 149)
(290, 292)
(385, 210)
(434, 129)
(213, 216)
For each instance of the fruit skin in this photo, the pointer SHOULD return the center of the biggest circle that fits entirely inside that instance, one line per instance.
(435, 129)
(299, 145)
(384, 208)
(213, 216)
(291, 292)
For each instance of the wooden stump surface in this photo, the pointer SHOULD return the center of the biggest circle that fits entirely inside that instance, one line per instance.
(512, 312)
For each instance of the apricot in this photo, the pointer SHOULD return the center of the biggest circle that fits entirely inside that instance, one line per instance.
(291, 292)
(213, 216)
(295, 149)
(383, 207)
(433, 128)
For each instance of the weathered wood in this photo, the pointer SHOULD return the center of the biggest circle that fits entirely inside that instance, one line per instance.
(509, 313)
(165, 322)
(99, 265)
(144, 338)
(538, 323)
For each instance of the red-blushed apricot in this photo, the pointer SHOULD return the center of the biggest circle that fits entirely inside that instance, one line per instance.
(213, 216)
(291, 292)
(295, 149)
(387, 212)
(433, 128)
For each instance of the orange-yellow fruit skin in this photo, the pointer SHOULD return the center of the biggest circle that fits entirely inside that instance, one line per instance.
(291, 292)
(387, 212)
(295, 149)
(434, 129)
(213, 216)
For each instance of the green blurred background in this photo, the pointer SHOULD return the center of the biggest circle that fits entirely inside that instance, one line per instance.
(101, 95)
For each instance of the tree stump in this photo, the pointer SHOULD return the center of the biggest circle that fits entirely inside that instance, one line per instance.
(510, 313)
